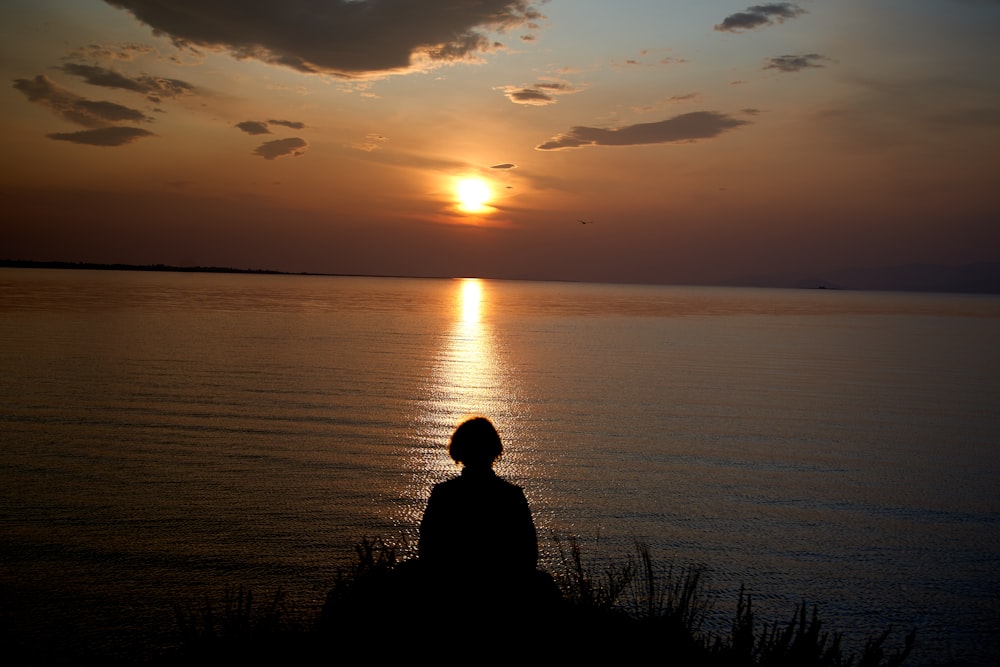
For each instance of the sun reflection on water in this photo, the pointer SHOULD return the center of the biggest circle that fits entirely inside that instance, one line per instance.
(471, 298)
(468, 377)
(468, 380)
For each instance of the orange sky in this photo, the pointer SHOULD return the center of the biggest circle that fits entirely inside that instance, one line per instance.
(701, 141)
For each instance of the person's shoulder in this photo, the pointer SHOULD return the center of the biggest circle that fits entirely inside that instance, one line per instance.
(510, 487)
(447, 485)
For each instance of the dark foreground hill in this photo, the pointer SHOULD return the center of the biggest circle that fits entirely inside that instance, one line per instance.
(630, 612)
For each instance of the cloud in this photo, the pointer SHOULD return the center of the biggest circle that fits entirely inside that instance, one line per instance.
(683, 128)
(343, 37)
(153, 87)
(127, 52)
(790, 63)
(103, 136)
(644, 59)
(760, 15)
(253, 127)
(294, 124)
(538, 94)
(505, 165)
(372, 142)
(673, 99)
(74, 108)
(270, 150)
(260, 127)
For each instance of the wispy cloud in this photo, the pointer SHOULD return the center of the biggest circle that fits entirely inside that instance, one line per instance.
(652, 58)
(372, 142)
(505, 165)
(760, 15)
(126, 52)
(673, 99)
(683, 128)
(539, 94)
(795, 63)
(154, 87)
(348, 38)
(75, 108)
(271, 150)
(104, 136)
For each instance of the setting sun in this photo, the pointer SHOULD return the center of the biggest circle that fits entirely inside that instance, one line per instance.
(473, 195)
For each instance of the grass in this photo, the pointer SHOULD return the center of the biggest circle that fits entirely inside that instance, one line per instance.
(630, 609)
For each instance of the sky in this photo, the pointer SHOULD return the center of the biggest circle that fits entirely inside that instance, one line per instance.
(649, 141)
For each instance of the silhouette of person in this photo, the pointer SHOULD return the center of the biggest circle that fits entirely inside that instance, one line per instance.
(475, 571)
(477, 526)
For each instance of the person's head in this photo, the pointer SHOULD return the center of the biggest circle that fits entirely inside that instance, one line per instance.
(475, 443)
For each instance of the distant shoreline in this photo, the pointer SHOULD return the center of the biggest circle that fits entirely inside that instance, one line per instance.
(166, 268)
(97, 266)
(978, 278)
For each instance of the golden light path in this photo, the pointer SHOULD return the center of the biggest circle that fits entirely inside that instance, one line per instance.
(468, 377)
(462, 382)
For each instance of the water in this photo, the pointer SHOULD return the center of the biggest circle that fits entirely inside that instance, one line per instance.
(164, 435)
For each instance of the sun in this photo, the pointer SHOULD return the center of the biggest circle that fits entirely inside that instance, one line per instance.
(473, 195)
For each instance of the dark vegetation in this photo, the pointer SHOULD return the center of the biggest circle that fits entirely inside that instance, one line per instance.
(630, 610)
(95, 266)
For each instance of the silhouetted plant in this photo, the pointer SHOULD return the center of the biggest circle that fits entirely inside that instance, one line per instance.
(613, 611)
(675, 596)
(582, 586)
(240, 627)
(798, 642)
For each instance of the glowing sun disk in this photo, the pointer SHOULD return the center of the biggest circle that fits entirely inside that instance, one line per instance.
(473, 195)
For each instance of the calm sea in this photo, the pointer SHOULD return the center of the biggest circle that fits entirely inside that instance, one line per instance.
(167, 434)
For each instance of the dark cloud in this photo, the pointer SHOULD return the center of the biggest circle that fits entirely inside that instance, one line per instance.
(103, 136)
(294, 124)
(253, 127)
(260, 127)
(270, 150)
(505, 165)
(153, 87)
(794, 63)
(686, 127)
(760, 15)
(538, 94)
(529, 96)
(74, 108)
(345, 37)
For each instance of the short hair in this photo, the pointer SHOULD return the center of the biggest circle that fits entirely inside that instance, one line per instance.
(475, 441)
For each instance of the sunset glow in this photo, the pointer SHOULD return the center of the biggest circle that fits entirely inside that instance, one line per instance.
(707, 142)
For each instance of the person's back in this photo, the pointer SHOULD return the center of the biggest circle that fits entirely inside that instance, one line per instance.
(478, 525)
(478, 548)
